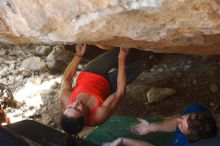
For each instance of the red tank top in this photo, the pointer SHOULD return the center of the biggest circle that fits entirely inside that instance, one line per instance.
(93, 84)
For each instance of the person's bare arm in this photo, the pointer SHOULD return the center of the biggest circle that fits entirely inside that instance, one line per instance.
(66, 85)
(127, 142)
(135, 142)
(144, 127)
(112, 101)
(168, 125)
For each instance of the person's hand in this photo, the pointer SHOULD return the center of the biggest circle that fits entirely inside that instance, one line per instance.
(142, 128)
(80, 50)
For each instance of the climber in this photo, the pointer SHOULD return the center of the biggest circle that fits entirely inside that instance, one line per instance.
(98, 89)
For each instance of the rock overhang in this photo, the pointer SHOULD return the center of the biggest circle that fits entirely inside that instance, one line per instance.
(166, 26)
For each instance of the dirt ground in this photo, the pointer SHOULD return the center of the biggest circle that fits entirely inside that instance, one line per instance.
(196, 79)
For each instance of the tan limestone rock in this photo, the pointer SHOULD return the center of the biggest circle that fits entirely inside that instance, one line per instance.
(173, 26)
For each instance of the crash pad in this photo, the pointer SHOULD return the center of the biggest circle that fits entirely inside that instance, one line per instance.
(119, 126)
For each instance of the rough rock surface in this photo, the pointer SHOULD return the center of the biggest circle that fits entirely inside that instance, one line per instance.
(180, 26)
(157, 94)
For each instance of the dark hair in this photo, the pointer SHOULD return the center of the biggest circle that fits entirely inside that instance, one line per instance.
(201, 125)
(72, 125)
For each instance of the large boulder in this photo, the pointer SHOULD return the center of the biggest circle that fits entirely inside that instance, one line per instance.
(173, 26)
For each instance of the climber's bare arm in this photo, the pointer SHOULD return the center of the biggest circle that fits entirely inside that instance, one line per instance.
(66, 85)
(111, 102)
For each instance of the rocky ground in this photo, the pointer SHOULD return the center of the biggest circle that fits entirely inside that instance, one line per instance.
(33, 74)
(35, 86)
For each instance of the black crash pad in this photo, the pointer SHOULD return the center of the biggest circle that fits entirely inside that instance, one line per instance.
(32, 133)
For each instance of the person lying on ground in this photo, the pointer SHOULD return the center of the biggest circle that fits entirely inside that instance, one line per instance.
(195, 123)
(98, 90)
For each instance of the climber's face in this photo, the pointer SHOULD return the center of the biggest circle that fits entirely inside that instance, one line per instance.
(76, 109)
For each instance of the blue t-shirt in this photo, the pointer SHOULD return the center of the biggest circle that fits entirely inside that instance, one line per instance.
(180, 138)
